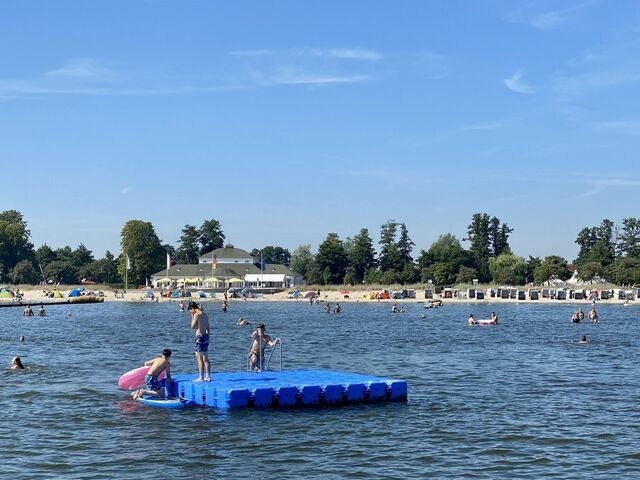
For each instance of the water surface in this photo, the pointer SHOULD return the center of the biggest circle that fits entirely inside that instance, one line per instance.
(519, 400)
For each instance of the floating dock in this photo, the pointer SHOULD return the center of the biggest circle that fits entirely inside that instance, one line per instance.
(292, 388)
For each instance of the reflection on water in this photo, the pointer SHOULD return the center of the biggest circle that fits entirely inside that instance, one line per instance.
(519, 400)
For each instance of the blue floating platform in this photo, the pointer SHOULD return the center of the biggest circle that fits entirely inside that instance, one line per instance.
(291, 388)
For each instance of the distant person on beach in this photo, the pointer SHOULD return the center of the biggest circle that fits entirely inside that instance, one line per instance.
(200, 325)
(27, 312)
(593, 315)
(41, 312)
(16, 364)
(472, 320)
(259, 341)
(152, 384)
(575, 318)
(181, 306)
(494, 317)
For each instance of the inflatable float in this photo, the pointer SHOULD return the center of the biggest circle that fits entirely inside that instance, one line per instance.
(162, 402)
(134, 379)
(486, 321)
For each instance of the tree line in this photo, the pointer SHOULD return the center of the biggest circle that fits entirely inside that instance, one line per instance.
(606, 252)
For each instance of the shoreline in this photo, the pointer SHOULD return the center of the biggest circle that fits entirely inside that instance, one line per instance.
(35, 296)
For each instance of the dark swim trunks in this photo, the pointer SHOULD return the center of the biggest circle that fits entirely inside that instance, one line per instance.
(202, 343)
(152, 383)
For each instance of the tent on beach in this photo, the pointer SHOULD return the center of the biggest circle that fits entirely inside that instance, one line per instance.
(76, 292)
(6, 293)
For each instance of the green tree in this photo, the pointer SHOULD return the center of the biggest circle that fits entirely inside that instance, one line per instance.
(101, 271)
(508, 269)
(81, 256)
(488, 238)
(14, 240)
(188, 251)
(389, 256)
(409, 274)
(624, 271)
(211, 236)
(361, 254)
(271, 254)
(141, 244)
(44, 255)
(466, 275)
(532, 264)
(302, 261)
(499, 237)
(442, 262)
(350, 277)
(478, 236)
(596, 244)
(395, 247)
(61, 271)
(552, 267)
(440, 273)
(331, 260)
(405, 246)
(372, 276)
(629, 238)
(24, 272)
(590, 270)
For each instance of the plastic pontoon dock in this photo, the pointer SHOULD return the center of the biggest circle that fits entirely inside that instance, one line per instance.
(289, 388)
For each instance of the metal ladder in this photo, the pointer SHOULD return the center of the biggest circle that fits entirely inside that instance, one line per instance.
(264, 363)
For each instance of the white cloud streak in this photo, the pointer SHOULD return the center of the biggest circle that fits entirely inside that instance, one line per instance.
(515, 84)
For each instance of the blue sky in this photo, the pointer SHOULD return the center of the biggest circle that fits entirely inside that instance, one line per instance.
(288, 120)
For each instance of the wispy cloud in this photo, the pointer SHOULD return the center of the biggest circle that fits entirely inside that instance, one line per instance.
(80, 67)
(550, 19)
(295, 76)
(125, 190)
(515, 84)
(337, 53)
(601, 185)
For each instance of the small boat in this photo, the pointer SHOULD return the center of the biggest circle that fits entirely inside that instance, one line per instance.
(433, 303)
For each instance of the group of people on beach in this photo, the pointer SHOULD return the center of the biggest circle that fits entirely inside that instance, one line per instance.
(201, 327)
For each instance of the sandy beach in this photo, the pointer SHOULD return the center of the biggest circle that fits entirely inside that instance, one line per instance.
(35, 296)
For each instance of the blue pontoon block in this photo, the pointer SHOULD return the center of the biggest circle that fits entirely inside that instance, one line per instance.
(287, 396)
(398, 390)
(355, 392)
(233, 398)
(332, 394)
(310, 395)
(376, 392)
(263, 397)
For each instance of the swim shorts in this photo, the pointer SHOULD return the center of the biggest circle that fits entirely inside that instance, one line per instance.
(202, 343)
(152, 383)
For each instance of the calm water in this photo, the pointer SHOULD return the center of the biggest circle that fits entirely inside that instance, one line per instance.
(520, 400)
